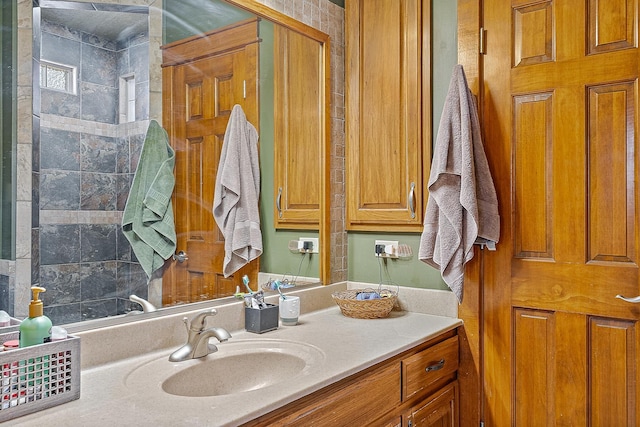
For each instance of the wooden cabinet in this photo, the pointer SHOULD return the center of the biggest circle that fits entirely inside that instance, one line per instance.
(417, 387)
(298, 129)
(388, 113)
(439, 410)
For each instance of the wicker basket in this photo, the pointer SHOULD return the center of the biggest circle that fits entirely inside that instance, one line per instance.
(365, 309)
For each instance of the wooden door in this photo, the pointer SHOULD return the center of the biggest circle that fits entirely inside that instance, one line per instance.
(560, 107)
(203, 93)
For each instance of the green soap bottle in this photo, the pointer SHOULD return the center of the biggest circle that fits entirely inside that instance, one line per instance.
(36, 329)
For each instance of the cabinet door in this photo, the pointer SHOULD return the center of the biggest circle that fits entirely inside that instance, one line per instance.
(298, 129)
(388, 113)
(439, 410)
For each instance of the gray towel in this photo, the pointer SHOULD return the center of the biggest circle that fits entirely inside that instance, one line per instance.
(147, 221)
(237, 190)
(462, 203)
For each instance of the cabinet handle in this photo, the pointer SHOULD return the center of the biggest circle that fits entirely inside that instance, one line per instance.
(435, 367)
(412, 202)
(278, 202)
(635, 300)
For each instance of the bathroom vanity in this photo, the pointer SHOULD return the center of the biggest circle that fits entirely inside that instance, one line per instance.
(417, 388)
(327, 370)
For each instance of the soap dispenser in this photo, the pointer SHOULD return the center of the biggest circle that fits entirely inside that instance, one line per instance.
(36, 329)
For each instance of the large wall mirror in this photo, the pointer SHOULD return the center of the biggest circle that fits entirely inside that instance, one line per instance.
(100, 82)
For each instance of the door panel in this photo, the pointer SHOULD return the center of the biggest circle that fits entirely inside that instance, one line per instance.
(560, 120)
(203, 93)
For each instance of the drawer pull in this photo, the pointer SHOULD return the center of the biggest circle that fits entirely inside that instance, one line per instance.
(435, 367)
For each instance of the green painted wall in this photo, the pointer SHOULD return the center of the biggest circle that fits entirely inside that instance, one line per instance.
(185, 18)
(362, 264)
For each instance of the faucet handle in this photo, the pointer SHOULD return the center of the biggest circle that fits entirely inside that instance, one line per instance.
(197, 323)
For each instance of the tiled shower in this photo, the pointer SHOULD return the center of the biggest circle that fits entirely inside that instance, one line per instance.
(83, 167)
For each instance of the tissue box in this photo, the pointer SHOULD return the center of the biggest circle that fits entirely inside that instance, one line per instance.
(261, 320)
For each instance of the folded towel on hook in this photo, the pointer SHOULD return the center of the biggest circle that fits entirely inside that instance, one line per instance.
(147, 221)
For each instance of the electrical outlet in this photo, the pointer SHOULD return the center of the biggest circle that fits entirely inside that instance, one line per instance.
(312, 240)
(390, 248)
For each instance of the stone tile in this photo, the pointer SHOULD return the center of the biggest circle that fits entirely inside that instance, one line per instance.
(59, 149)
(98, 309)
(98, 242)
(59, 103)
(99, 66)
(60, 50)
(59, 244)
(99, 103)
(59, 190)
(98, 191)
(98, 280)
(64, 313)
(98, 153)
(62, 282)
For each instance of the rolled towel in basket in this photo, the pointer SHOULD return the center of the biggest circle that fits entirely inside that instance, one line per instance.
(367, 295)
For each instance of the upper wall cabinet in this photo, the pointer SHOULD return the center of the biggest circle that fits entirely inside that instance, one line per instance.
(299, 130)
(388, 115)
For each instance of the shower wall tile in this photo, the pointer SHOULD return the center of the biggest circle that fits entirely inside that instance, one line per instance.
(59, 103)
(98, 242)
(63, 313)
(142, 100)
(122, 155)
(98, 153)
(59, 149)
(60, 30)
(98, 42)
(59, 244)
(59, 190)
(123, 248)
(123, 185)
(98, 309)
(98, 280)
(34, 158)
(35, 255)
(62, 282)
(135, 148)
(99, 66)
(35, 200)
(99, 103)
(98, 191)
(5, 295)
(139, 61)
(60, 50)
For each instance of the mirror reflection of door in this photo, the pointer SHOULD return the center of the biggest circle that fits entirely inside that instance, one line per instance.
(205, 78)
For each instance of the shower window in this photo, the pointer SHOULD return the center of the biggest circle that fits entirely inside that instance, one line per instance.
(58, 77)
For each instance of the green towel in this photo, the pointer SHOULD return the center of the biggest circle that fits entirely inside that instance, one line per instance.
(147, 221)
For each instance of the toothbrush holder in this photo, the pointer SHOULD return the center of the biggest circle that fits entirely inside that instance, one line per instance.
(260, 320)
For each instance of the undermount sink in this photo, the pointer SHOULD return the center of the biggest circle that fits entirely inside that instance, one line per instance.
(238, 366)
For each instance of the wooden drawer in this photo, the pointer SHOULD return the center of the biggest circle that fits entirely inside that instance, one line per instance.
(429, 369)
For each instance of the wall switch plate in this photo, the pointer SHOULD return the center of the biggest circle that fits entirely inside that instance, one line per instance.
(314, 242)
(390, 248)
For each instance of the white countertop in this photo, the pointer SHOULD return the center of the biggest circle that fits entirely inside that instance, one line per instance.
(349, 346)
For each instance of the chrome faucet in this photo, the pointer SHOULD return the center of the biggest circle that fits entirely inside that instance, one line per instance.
(197, 344)
(147, 307)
